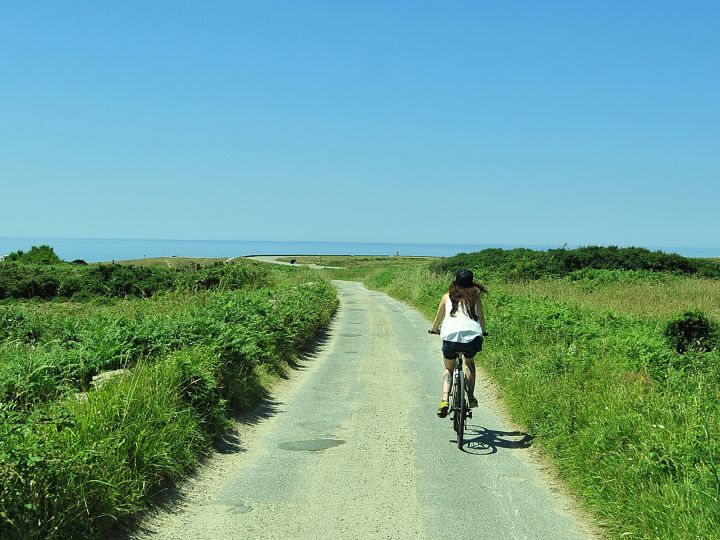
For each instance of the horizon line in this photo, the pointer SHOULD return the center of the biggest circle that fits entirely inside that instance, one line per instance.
(489, 245)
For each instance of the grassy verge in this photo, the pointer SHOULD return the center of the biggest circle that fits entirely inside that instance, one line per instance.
(633, 426)
(658, 299)
(77, 459)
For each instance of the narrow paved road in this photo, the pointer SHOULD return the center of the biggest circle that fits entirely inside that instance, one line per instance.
(351, 448)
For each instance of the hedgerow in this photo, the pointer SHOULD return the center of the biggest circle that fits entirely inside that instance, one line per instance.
(77, 282)
(521, 263)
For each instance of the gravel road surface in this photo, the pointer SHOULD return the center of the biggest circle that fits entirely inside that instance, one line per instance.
(350, 447)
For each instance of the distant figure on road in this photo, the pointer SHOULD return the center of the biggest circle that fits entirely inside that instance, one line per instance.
(460, 321)
(292, 261)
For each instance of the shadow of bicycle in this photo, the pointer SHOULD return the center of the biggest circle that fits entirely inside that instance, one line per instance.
(483, 441)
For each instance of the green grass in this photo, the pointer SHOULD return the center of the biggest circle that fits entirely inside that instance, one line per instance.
(133, 433)
(659, 298)
(75, 460)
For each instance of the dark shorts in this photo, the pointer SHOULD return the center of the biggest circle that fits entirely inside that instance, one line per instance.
(450, 349)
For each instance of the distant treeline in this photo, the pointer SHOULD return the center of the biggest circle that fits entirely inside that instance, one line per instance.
(37, 255)
(524, 263)
(80, 282)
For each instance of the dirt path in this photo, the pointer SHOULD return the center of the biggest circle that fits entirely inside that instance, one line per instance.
(350, 447)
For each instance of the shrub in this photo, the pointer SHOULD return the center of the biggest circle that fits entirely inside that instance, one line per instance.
(37, 255)
(692, 331)
(80, 282)
(522, 263)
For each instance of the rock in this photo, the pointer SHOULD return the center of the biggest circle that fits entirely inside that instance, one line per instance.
(101, 378)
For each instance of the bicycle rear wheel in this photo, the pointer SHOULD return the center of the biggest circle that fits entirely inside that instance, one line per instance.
(454, 403)
(460, 411)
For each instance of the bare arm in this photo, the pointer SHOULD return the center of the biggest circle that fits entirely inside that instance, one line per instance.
(440, 315)
(480, 314)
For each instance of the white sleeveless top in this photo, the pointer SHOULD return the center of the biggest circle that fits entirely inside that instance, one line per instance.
(459, 328)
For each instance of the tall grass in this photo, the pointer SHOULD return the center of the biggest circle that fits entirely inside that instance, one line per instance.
(76, 460)
(658, 298)
(89, 464)
(48, 354)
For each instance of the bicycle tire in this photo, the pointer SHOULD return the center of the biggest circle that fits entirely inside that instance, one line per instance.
(461, 411)
(454, 391)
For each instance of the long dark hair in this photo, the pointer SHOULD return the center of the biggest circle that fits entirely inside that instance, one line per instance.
(467, 296)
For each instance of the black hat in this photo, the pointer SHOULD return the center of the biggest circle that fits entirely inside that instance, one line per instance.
(464, 278)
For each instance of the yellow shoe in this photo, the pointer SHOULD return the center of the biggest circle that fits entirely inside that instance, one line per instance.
(443, 409)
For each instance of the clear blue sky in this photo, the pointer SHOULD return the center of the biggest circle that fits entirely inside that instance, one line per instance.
(403, 121)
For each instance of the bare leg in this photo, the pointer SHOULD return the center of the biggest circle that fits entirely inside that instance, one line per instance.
(447, 378)
(470, 377)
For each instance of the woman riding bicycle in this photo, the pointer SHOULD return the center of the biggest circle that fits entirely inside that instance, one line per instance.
(463, 327)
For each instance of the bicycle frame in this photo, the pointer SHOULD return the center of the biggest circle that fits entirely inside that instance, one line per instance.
(459, 405)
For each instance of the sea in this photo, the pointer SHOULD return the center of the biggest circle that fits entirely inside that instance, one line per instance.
(106, 250)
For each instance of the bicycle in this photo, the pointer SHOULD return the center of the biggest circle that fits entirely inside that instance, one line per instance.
(459, 407)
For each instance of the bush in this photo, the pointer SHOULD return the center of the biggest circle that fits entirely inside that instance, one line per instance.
(37, 255)
(521, 263)
(692, 331)
(28, 281)
(81, 282)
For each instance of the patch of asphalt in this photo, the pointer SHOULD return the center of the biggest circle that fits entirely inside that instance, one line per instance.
(350, 447)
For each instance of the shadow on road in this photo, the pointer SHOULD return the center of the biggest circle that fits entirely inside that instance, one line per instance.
(168, 496)
(267, 406)
(483, 441)
(311, 349)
